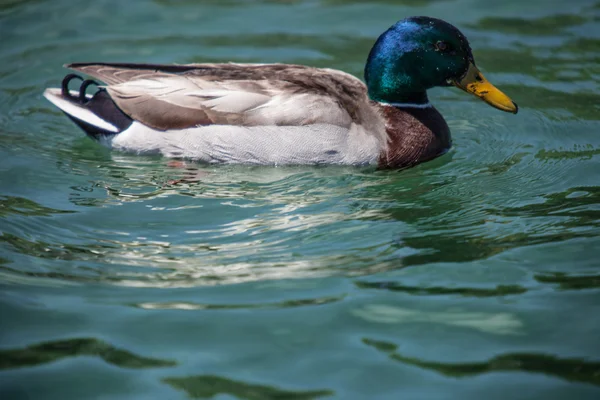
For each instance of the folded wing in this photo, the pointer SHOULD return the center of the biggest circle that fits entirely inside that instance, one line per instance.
(166, 97)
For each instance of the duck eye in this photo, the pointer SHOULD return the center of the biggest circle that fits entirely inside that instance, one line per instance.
(441, 46)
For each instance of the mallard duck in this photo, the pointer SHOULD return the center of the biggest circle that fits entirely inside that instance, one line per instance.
(285, 114)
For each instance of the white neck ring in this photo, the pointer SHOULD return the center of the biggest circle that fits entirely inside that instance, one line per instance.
(409, 105)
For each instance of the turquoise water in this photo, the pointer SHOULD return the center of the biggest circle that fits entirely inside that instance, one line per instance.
(472, 276)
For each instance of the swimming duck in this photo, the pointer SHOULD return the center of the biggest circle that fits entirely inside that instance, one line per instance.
(285, 114)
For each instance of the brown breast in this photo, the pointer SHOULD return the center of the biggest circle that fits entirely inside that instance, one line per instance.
(415, 135)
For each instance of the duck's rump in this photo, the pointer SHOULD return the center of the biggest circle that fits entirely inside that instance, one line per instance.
(97, 114)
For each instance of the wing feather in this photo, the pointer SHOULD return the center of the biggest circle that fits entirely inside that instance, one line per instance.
(180, 96)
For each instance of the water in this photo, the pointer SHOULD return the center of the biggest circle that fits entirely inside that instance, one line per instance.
(472, 276)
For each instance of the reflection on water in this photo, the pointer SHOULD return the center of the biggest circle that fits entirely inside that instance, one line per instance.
(566, 282)
(570, 369)
(53, 351)
(500, 290)
(208, 386)
(20, 206)
(259, 283)
(499, 323)
(197, 306)
(46, 250)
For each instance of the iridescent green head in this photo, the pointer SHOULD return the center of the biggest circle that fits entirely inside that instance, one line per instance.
(419, 53)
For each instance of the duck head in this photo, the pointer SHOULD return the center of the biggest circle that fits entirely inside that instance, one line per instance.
(419, 53)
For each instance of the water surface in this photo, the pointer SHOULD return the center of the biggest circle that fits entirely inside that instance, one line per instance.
(472, 276)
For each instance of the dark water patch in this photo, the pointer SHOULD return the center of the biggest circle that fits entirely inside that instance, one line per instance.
(582, 46)
(551, 25)
(459, 235)
(79, 201)
(92, 273)
(11, 205)
(502, 167)
(452, 247)
(83, 155)
(570, 369)
(130, 196)
(56, 275)
(451, 230)
(48, 352)
(62, 251)
(7, 6)
(209, 386)
(564, 204)
(570, 282)
(580, 152)
(500, 290)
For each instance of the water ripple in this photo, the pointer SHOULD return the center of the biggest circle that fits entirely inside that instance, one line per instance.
(209, 386)
(571, 369)
(47, 352)
(197, 306)
(493, 245)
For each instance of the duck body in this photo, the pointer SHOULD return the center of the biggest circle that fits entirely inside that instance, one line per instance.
(269, 114)
(254, 114)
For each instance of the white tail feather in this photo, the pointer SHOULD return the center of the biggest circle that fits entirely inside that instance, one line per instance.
(77, 111)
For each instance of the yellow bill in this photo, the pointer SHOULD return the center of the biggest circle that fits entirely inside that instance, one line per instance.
(474, 82)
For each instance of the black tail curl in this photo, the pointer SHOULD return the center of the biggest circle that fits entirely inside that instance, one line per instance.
(100, 103)
(85, 83)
